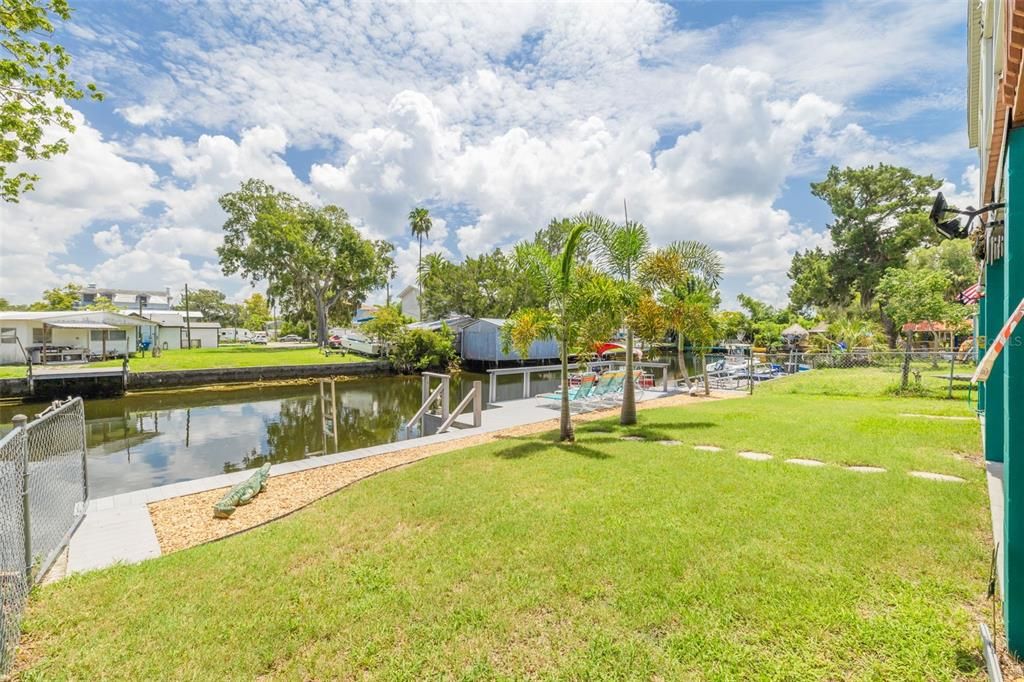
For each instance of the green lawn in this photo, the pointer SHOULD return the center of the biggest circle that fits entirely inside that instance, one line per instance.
(608, 559)
(12, 371)
(230, 356)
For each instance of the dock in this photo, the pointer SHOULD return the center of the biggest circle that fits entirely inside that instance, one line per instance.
(49, 382)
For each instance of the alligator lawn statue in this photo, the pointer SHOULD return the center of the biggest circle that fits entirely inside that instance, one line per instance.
(242, 493)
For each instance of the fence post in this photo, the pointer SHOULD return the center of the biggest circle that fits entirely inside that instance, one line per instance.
(492, 389)
(526, 384)
(750, 371)
(85, 465)
(952, 369)
(19, 421)
(444, 399)
(478, 389)
(707, 386)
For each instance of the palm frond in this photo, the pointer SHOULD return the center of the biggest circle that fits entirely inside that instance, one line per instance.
(700, 260)
(622, 246)
(579, 228)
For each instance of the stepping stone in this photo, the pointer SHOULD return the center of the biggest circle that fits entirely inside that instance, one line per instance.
(806, 462)
(632, 438)
(707, 448)
(669, 442)
(931, 476)
(866, 469)
(756, 456)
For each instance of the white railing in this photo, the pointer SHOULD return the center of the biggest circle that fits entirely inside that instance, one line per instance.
(429, 396)
(442, 393)
(527, 372)
(476, 397)
(609, 364)
(492, 393)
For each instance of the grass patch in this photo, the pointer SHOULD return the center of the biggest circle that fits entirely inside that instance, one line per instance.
(878, 382)
(608, 559)
(12, 372)
(230, 356)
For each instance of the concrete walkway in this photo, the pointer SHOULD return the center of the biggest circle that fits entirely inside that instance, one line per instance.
(118, 529)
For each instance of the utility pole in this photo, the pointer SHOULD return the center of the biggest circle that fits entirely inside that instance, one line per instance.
(188, 321)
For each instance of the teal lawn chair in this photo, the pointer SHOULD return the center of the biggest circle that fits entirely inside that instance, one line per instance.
(579, 392)
(610, 384)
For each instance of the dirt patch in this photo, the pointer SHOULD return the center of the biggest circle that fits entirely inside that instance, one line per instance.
(187, 521)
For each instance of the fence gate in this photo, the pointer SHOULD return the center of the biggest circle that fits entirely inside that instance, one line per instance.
(43, 493)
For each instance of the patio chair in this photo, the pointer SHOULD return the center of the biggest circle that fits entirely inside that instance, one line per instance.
(607, 384)
(578, 392)
(615, 392)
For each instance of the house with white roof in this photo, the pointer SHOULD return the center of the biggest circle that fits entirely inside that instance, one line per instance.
(410, 301)
(67, 336)
(175, 329)
(126, 299)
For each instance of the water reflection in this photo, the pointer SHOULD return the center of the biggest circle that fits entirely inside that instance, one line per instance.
(148, 439)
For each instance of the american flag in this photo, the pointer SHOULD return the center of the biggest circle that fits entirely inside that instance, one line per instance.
(971, 294)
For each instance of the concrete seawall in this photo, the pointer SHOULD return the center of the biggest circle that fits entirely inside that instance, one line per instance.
(13, 388)
(138, 381)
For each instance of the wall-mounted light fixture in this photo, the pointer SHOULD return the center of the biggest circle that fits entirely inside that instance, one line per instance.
(952, 228)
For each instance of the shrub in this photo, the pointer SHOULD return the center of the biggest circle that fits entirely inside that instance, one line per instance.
(418, 350)
(912, 390)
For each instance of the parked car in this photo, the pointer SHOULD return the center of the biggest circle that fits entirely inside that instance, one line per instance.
(259, 337)
(290, 338)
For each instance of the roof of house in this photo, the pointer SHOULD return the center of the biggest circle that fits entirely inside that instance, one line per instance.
(151, 314)
(58, 315)
(129, 292)
(794, 330)
(927, 326)
(455, 323)
(408, 290)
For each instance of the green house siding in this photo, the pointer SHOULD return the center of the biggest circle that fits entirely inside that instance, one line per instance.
(1011, 377)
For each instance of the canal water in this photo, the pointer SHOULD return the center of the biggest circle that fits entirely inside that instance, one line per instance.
(148, 439)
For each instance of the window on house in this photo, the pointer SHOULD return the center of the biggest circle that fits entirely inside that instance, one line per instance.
(112, 335)
(8, 335)
(42, 335)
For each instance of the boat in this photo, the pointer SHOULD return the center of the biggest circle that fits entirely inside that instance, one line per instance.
(357, 342)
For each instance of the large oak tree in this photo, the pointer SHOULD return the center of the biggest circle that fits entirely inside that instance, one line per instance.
(305, 252)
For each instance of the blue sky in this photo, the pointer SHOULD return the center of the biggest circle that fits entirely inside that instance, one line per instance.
(710, 118)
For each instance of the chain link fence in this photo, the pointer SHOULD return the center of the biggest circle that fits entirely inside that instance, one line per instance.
(43, 493)
(937, 373)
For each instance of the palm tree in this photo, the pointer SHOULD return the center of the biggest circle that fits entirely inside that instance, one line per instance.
(685, 273)
(432, 279)
(573, 292)
(621, 249)
(420, 224)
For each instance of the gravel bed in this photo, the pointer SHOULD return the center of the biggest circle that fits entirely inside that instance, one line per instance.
(187, 521)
